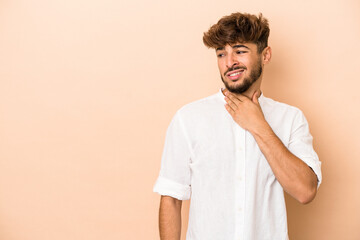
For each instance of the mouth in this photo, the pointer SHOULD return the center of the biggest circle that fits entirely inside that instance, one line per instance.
(235, 75)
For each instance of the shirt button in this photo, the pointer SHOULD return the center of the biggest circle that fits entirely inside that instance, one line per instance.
(239, 209)
(239, 178)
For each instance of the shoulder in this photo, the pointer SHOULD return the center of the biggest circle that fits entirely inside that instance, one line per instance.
(276, 107)
(283, 118)
(204, 106)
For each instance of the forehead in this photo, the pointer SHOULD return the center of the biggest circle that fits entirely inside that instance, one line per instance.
(234, 46)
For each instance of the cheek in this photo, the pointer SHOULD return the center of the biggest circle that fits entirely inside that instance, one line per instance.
(221, 67)
(247, 63)
(252, 63)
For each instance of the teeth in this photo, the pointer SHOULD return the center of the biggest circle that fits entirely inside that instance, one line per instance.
(234, 74)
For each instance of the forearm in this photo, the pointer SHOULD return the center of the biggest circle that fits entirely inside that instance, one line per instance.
(293, 174)
(170, 218)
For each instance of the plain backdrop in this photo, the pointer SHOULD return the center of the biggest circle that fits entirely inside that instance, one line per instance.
(88, 89)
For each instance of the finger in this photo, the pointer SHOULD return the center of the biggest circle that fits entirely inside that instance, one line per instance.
(225, 91)
(239, 96)
(229, 109)
(242, 97)
(233, 98)
(231, 103)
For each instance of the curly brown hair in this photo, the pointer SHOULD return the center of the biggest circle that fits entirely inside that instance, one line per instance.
(238, 28)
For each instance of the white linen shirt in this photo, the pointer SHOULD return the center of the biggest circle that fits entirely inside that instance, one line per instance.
(234, 194)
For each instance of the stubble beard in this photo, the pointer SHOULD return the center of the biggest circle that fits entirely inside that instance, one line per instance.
(247, 82)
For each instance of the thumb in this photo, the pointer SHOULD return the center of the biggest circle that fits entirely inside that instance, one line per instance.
(255, 96)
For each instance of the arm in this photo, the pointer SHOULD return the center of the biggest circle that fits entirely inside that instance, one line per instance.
(170, 218)
(293, 174)
(174, 180)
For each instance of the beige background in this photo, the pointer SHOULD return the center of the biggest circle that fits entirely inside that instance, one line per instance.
(88, 88)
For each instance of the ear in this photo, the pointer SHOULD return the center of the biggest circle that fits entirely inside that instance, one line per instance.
(266, 55)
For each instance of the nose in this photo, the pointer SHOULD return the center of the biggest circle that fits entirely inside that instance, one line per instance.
(231, 61)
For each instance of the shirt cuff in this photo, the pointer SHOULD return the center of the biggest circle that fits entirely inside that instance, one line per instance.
(164, 186)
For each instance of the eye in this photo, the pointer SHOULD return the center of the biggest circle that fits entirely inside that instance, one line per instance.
(220, 55)
(240, 52)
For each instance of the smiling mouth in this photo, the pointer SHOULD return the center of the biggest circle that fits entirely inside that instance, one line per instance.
(235, 75)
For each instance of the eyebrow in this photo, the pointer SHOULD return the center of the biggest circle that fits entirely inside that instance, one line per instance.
(240, 46)
(235, 46)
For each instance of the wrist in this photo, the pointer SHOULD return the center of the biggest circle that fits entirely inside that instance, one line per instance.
(261, 129)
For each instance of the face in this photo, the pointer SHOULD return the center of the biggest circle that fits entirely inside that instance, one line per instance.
(240, 66)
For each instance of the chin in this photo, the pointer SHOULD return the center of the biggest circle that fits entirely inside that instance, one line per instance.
(235, 85)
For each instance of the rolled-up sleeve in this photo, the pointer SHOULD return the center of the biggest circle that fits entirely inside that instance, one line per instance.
(174, 178)
(301, 145)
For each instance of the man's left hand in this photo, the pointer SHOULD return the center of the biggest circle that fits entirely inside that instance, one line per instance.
(245, 111)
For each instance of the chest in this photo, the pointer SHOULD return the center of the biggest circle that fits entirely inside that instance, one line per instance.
(222, 149)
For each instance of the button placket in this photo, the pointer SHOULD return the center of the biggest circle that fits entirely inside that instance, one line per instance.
(240, 184)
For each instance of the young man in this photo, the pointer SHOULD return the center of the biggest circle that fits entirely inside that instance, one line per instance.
(235, 152)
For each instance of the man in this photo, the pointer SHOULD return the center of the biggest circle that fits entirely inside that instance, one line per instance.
(235, 152)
